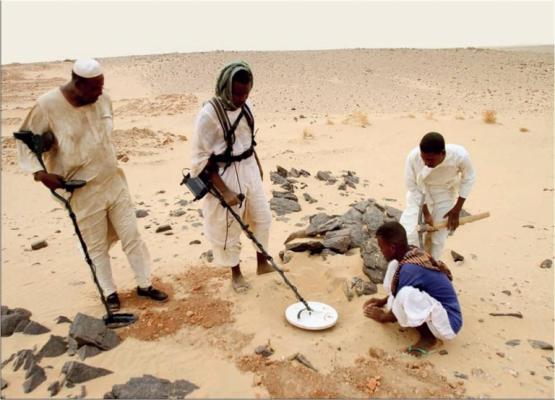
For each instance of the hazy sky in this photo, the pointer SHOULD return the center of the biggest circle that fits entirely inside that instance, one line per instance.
(55, 30)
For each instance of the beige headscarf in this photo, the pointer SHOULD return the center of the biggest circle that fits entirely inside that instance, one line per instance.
(225, 82)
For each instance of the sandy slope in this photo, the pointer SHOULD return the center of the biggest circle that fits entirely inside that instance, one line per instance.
(359, 110)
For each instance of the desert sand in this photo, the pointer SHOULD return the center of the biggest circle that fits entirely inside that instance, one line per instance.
(358, 110)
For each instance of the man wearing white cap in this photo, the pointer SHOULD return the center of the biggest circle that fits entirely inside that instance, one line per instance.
(78, 118)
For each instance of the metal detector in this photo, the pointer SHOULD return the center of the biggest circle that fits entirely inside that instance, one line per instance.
(36, 145)
(309, 315)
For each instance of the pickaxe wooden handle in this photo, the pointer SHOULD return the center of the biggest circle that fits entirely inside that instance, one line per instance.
(462, 221)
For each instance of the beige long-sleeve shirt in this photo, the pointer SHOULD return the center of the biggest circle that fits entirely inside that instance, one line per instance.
(83, 148)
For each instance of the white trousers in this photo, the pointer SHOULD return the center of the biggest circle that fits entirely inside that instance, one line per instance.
(221, 228)
(413, 308)
(98, 232)
(409, 220)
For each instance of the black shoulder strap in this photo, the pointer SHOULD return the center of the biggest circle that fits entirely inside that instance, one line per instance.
(249, 117)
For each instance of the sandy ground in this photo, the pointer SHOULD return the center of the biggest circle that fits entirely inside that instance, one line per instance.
(359, 110)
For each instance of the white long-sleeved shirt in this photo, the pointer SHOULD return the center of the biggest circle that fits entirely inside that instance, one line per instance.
(454, 173)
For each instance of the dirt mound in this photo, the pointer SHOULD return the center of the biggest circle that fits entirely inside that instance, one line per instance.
(166, 104)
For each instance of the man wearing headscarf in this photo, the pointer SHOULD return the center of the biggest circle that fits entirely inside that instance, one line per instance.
(223, 150)
(77, 118)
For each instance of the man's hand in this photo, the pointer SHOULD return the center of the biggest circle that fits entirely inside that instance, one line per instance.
(375, 301)
(51, 181)
(378, 314)
(428, 220)
(453, 218)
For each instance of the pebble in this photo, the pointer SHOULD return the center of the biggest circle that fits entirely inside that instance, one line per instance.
(39, 244)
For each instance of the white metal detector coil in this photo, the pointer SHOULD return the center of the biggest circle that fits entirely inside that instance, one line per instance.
(321, 317)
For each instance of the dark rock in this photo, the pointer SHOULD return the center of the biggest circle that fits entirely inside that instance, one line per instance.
(150, 387)
(342, 187)
(339, 241)
(456, 256)
(309, 198)
(3, 384)
(34, 328)
(22, 325)
(507, 292)
(278, 179)
(329, 225)
(36, 377)
(183, 203)
(87, 351)
(285, 195)
(72, 346)
(460, 375)
(177, 213)
(8, 360)
(288, 187)
(5, 310)
(89, 330)
(9, 322)
(548, 378)
(207, 255)
(56, 346)
(281, 171)
(513, 342)
(54, 388)
(141, 213)
(362, 287)
(547, 263)
(293, 172)
(325, 176)
(393, 213)
(284, 206)
(39, 244)
(163, 228)
(359, 235)
(373, 218)
(25, 359)
(374, 264)
(264, 350)
(62, 319)
(195, 242)
(509, 314)
(538, 344)
(351, 217)
(77, 372)
(24, 313)
(314, 247)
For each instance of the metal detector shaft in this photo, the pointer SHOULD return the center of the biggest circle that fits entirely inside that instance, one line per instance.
(251, 236)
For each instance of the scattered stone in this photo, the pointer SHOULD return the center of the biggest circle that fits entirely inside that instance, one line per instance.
(9, 322)
(393, 213)
(539, 344)
(282, 171)
(528, 226)
(317, 228)
(284, 206)
(373, 218)
(513, 342)
(362, 287)
(548, 378)
(87, 351)
(443, 352)
(56, 346)
(72, 346)
(163, 228)
(500, 354)
(347, 290)
(325, 176)
(208, 256)
(62, 319)
(23, 358)
(77, 372)
(293, 172)
(54, 388)
(195, 242)
(339, 241)
(456, 256)
(285, 195)
(22, 325)
(39, 244)
(35, 377)
(374, 264)
(314, 247)
(278, 179)
(546, 264)
(309, 198)
(303, 360)
(34, 328)
(8, 360)
(141, 213)
(177, 213)
(5, 310)
(93, 331)
(460, 375)
(516, 315)
(264, 350)
(150, 387)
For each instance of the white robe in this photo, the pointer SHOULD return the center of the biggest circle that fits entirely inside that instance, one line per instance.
(413, 307)
(438, 188)
(83, 150)
(220, 227)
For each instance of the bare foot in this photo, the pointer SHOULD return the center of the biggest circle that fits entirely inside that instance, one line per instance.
(238, 282)
(264, 266)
